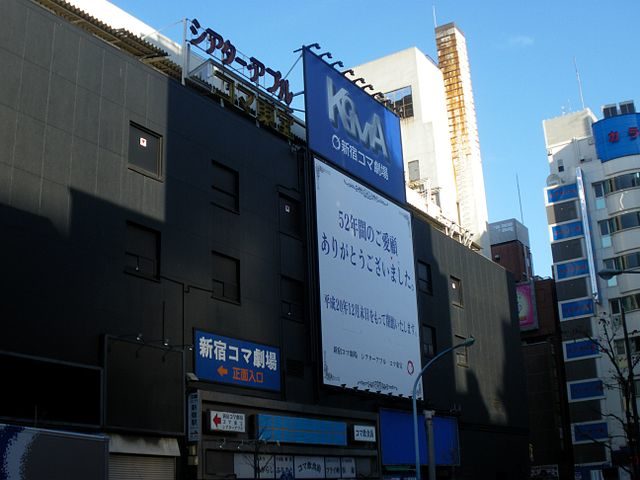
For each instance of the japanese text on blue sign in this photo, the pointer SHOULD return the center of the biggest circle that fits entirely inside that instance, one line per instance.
(234, 361)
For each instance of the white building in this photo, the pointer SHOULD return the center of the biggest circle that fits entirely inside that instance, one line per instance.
(439, 133)
(593, 211)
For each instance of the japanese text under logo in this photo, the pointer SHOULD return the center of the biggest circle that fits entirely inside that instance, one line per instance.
(233, 361)
(352, 130)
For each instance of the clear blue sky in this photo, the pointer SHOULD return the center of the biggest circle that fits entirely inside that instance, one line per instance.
(521, 55)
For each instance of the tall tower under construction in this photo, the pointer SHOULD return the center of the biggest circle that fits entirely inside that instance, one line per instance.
(463, 131)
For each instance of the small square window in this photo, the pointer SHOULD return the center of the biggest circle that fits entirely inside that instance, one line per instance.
(226, 277)
(462, 353)
(142, 251)
(145, 151)
(424, 278)
(226, 187)
(292, 298)
(413, 168)
(429, 342)
(289, 216)
(455, 290)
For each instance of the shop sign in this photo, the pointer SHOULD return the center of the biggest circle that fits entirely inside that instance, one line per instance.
(617, 136)
(309, 467)
(278, 428)
(348, 465)
(332, 467)
(364, 433)
(232, 361)
(193, 417)
(577, 308)
(226, 421)
(284, 467)
(564, 192)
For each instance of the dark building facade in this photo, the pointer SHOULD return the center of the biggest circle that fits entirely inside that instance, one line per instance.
(551, 449)
(138, 215)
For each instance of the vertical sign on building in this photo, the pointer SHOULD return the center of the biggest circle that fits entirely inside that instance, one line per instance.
(350, 129)
(193, 417)
(587, 235)
(368, 306)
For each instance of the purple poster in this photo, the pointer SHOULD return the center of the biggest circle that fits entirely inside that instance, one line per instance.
(526, 306)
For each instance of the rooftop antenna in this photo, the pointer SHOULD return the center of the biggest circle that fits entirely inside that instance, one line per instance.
(435, 23)
(519, 199)
(575, 64)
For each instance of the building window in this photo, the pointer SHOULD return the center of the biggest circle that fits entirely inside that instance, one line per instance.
(292, 298)
(622, 182)
(145, 151)
(560, 166)
(414, 170)
(424, 278)
(455, 290)
(401, 101)
(226, 187)
(294, 368)
(598, 191)
(142, 251)
(226, 277)
(567, 250)
(620, 222)
(462, 353)
(627, 107)
(631, 303)
(429, 342)
(623, 262)
(289, 216)
(634, 343)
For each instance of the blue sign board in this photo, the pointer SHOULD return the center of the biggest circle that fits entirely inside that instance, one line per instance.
(617, 136)
(577, 308)
(590, 431)
(580, 349)
(396, 439)
(572, 269)
(586, 390)
(229, 360)
(567, 230)
(349, 128)
(278, 428)
(565, 192)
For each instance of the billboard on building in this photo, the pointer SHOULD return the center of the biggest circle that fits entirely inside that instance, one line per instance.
(236, 362)
(349, 128)
(525, 295)
(617, 136)
(368, 307)
(396, 439)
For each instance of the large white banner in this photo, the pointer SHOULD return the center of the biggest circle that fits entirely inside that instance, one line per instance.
(369, 314)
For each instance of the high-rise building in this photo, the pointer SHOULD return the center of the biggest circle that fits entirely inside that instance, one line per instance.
(551, 452)
(440, 144)
(593, 204)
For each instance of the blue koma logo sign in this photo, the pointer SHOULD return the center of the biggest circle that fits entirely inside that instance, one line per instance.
(342, 107)
(347, 127)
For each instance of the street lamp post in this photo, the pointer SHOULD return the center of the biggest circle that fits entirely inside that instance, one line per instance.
(634, 437)
(432, 464)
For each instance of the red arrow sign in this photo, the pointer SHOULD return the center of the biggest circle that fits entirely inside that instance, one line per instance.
(222, 371)
(217, 420)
